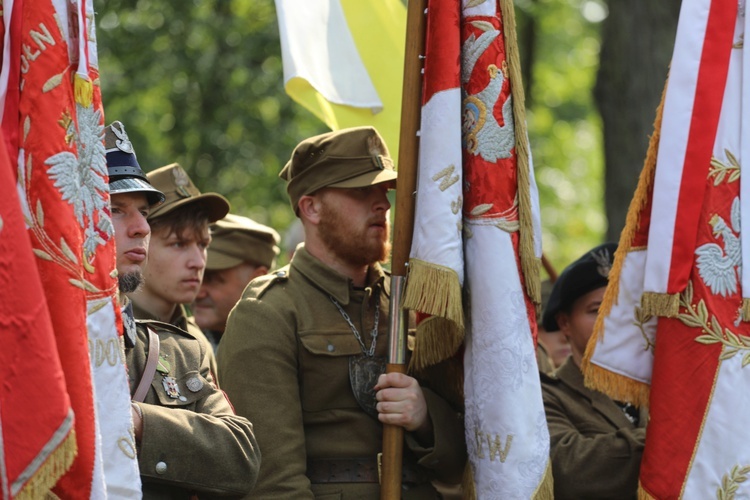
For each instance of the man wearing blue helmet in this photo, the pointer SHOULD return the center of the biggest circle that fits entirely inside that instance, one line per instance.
(189, 440)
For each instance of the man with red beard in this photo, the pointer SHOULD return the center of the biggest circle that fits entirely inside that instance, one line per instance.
(303, 354)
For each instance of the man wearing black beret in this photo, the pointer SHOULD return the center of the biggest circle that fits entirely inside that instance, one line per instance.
(596, 443)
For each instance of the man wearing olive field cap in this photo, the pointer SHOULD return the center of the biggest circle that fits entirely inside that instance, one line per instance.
(240, 250)
(304, 349)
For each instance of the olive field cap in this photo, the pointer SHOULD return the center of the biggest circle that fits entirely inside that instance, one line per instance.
(589, 272)
(348, 158)
(125, 174)
(180, 191)
(236, 239)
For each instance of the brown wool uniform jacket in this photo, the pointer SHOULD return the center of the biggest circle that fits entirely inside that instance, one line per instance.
(284, 361)
(596, 451)
(193, 443)
(181, 320)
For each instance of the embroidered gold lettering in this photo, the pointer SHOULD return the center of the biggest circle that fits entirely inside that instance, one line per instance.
(479, 436)
(494, 447)
(447, 175)
(127, 446)
(456, 205)
(41, 39)
(106, 351)
(42, 36)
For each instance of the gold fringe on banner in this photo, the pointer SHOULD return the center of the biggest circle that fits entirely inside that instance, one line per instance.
(596, 377)
(617, 387)
(434, 290)
(529, 262)
(54, 467)
(437, 339)
(660, 304)
(642, 494)
(745, 310)
(546, 489)
(467, 484)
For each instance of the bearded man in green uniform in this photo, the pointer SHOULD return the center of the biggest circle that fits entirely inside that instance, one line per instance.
(190, 442)
(177, 253)
(596, 443)
(303, 352)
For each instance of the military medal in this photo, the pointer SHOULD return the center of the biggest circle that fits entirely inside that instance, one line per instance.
(195, 384)
(163, 366)
(171, 387)
(365, 369)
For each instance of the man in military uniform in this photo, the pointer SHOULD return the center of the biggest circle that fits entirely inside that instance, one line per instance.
(303, 352)
(552, 347)
(596, 443)
(177, 253)
(240, 250)
(189, 439)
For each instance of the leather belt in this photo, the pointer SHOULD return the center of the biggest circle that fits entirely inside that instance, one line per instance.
(357, 470)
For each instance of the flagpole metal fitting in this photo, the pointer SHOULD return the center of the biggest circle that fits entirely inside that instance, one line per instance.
(398, 323)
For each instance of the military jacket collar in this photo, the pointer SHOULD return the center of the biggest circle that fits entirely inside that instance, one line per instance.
(332, 282)
(571, 376)
(178, 319)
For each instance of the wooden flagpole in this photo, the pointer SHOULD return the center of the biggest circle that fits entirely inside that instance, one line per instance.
(393, 435)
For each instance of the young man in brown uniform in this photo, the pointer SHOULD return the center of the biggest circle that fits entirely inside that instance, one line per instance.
(177, 253)
(596, 443)
(189, 439)
(303, 351)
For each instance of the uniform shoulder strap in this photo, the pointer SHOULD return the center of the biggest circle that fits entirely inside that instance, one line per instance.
(148, 372)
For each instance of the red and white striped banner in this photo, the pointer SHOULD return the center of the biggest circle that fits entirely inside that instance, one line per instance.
(53, 125)
(468, 224)
(672, 332)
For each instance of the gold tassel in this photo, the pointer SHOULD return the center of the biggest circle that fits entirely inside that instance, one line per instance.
(546, 489)
(617, 386)
(660, 304)
(467, 484)
(54, 467)
(83, 90)
(529, 262)
(437, 339)
(434, 290)
(745, 309)
(639, 201)
(643, 494)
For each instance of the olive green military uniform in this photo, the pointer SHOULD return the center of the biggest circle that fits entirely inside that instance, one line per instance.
(285, 363)
(596, 450)
(192, 441)
(542, 359)
(181, 320)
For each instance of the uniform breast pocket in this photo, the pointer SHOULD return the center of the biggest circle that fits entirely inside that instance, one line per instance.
(181, 391)
(324, 370)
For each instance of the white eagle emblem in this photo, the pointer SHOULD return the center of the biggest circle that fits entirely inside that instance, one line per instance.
(482, 134)
(719, 267)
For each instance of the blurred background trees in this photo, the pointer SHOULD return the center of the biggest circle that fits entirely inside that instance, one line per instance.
(200, 83)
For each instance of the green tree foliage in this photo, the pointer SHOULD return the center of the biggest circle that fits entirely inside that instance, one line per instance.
(200, 83)
(564, 127)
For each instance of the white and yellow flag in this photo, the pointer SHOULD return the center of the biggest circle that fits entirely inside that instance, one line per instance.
(344, 61)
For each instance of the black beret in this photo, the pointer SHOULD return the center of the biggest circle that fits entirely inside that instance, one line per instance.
(589, 272)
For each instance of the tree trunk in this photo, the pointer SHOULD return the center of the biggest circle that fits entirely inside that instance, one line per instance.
(637, 42)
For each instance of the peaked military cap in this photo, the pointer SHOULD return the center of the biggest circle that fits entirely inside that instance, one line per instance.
(589, 272)
(180, 191)
(236, 239)
(125, 174)
(348, 158)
